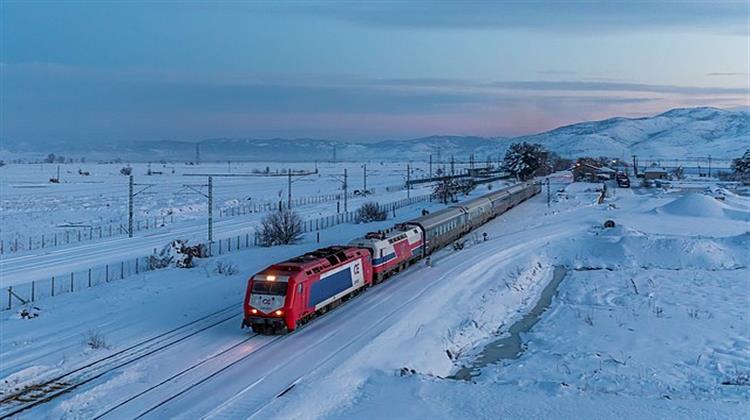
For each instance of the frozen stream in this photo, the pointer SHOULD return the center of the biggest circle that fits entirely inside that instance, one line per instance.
(510, 345)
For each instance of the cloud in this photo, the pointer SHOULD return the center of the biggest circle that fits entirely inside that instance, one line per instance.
(545, 16)
(726, 74)
(52, 100)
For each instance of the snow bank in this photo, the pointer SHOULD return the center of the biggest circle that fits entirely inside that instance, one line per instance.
(701, 205)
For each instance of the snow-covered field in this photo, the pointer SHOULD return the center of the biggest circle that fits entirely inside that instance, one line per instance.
(30, 205)
(649, 321)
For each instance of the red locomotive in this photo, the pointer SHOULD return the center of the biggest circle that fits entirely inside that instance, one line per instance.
(291, 293)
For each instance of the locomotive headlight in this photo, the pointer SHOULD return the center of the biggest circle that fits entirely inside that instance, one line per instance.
(270, 278)
(255, 311)
(278, 313)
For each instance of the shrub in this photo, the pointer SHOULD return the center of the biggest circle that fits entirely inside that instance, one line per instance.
(95, 340)
(370, 212)
(226, 269)
(281, 227)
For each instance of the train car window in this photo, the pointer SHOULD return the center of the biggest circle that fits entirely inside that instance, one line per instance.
(299, 288)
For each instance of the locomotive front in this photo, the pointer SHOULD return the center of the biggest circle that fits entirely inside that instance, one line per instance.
(266, 309)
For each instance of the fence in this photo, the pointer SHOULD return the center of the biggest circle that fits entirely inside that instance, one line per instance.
(75, 234)
(87, 233)
(258, 207)
(77, 280)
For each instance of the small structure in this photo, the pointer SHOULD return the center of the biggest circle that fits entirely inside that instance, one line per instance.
(655, 172)
(586, 172)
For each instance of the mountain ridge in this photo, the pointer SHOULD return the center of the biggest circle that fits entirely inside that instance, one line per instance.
(681, 132)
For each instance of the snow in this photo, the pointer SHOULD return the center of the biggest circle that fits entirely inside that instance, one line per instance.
(649, 321)
(699, 205)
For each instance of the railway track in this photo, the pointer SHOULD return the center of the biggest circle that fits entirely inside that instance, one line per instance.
(215, 365)
(51, 388)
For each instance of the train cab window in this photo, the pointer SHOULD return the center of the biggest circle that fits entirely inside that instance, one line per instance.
(276, 288)
(381, 253)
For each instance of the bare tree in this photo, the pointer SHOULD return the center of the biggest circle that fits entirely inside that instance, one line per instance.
(281, 227)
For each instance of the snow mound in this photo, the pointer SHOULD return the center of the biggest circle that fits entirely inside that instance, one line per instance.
(694, 205)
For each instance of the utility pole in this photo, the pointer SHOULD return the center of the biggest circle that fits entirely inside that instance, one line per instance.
(131, 196)
(210, 197)
(345, 190)
(289, 189)
(197, 153)
(635, 167)
(334, 153)
(408, 180)
(709, 166)
(364, 169)
(471, 161)
(548, 193)
(453, 163)
(210, 209)
(430, 166)
(130, 206)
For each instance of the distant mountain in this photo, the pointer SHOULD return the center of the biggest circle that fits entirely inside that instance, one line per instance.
(683, 132)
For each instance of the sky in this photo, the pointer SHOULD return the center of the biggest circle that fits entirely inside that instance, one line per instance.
(358, 71)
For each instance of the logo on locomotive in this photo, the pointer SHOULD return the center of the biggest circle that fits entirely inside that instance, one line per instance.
(266, 303)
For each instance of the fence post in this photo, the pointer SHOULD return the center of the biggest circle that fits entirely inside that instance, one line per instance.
(219, 246)
(247, 240)
(136, 266)
(53, 286)
(33, 290)
(42, 241)
(71, 282)
(238, 242)
(55, 238)
(122, 270)
(89, 277)
(106, 273)
(10, 294)
(29, 243)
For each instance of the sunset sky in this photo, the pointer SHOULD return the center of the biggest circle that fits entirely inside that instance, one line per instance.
(359, 71)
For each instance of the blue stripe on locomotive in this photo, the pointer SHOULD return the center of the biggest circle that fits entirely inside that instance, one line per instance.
(384, 259)
(329, 286)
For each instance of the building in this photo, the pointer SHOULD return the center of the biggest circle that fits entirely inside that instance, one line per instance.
(586, 172)
(655, 172)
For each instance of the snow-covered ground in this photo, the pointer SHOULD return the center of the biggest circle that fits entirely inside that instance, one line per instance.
(649, 321)
(30, 205)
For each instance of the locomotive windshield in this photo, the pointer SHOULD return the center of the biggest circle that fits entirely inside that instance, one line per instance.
(269, 287)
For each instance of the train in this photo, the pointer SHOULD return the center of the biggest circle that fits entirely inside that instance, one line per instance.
(291, 293)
